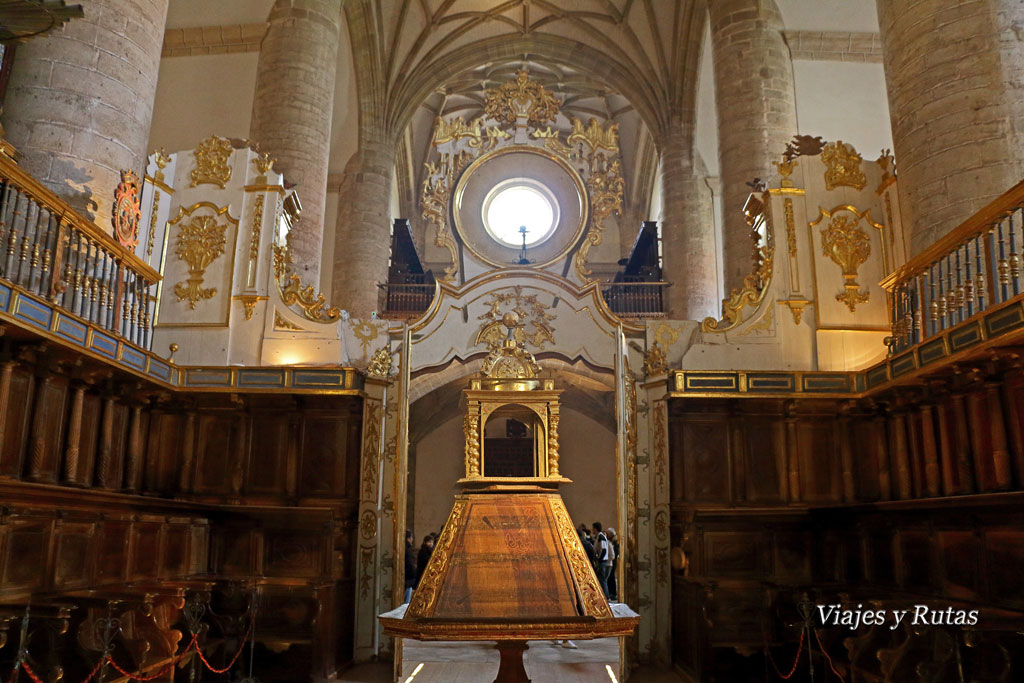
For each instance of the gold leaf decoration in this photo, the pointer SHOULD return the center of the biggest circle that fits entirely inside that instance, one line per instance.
(313, 304)
(528, 311)
(843, 164)
(212, 162)
(595, 136)
(127, 212)
(521, 98)
(200, 242)
(849, 247)
(655, 361)
(380, 364)
(606, 186)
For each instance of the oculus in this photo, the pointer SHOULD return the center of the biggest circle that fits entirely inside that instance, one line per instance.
(520, 203)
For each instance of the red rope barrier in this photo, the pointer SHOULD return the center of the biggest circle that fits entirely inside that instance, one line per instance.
(799, 651)
(830, 664)
(167, 667)
(234, 659)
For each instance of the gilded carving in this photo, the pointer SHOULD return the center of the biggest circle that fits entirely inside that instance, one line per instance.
(264, 164)
(887, 162)
(754, 287)
(660, 451)
(762, 325)
(787, 209)
(371, 449)
(796, 307)
(606, 186)
(282, 324)
(365, 333)
(595, 136)
(127, 212)
(200, 243)
(212, 162)
(552, 143)
(785, 169)
(254, 242)
(661, 566)
(665, 334)
(655, 361)
(471, 430)
(153, 217)
(661, 525)
(434, 198)
(313, 305)
(426, 593)
(849, 247)
(553, 445)
(479, 136)
(521, 98)
(594, 602)
(249, 301)
(528, 311)
(380, 364)
(368, 524)
(843, 166)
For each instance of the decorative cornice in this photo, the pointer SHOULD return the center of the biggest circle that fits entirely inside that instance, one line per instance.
(835, 46)
(213, 40)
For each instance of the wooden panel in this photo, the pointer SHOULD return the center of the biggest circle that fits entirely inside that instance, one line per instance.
(287, 553)
(819, 476)
(1004, 559)
(706, 460)
(792, 556)
(74, 554)
(87, 443)
(174, 560)
(266, 473)
(734, 554)
(145, 550)
(765, 460)
(112, 562)
(26, 544)
(16, 421)
(163, 462)
(865, 458)
(918, 560)
(961, 553)
(216, 455)
(322, 470)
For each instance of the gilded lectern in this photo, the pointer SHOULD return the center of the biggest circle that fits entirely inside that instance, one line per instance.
(509, 565)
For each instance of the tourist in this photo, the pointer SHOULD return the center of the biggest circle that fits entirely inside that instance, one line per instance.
(605, 554)
(424, 557)
(613, 579)
(410, 565)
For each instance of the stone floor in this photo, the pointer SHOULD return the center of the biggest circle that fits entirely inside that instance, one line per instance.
(546, 662)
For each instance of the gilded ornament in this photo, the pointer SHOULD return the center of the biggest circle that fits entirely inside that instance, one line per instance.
(843, 166)
(785, 169)
(655, 361)
(762, 325)
(660, 451)
(595, 136)
(371, 449)
(426, 592)
(434, 202)
(264, 163)
(254, 241)
(282, 324)
(528, 310)
(552, 143)
(380, 363)
(754, 287)
(313, 304)
(606, 188)
(665, 334)
(249, 302)
(553, 445)
(200, 243)
(153, 217)
(796, 307)
(521, 98)
(887, 162)
(787, 208)
(365, 332)
(127, 212)
(368, 524)
(849, 247)
(594, 602)
(212, 162)
(471, 431)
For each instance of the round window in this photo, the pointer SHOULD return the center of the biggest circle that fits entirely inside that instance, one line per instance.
(520, 205)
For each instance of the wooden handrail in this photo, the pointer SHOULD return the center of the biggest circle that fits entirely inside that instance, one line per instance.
(43, 196)
(989, 215)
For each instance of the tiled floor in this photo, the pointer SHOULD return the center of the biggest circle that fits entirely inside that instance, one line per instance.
(546, 662)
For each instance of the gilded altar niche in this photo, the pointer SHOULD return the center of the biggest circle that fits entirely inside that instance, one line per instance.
(522, 127)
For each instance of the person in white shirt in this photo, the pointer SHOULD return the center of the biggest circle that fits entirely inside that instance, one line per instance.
(605, 556)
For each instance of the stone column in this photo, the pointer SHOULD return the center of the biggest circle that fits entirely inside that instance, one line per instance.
(292, 110)
(687, 232)
(80, 101)
(756, 106)
(956, 100)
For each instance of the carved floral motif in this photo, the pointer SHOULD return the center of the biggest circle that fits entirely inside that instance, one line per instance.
(521, 98)
(127, 212)
(212, 162)
(843, 164)
(849, 247)
(200, 242)
(529, 311)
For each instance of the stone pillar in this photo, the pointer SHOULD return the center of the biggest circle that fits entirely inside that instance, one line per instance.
(955, 77)
(687, 232)
(292, 110)
(756, 106)
(80, 101)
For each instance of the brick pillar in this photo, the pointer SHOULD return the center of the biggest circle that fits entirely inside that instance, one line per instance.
(955, 76)
(362, 244)
(292, 110)
(756, 106)
(687, 232)
(80, 101)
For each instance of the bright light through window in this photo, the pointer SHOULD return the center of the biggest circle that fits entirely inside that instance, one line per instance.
(519, 204)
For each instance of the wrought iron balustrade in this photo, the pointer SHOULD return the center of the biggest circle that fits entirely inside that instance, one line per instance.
(49, 250)
(636, 299)
(406, 300)
(971, 269)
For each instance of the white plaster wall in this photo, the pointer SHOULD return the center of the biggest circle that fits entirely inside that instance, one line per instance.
(829, 15)
(201, 96)
(706, 126)
(327, 250)
(191, 13)
(587, 457)
(345, 118)
(844, 101)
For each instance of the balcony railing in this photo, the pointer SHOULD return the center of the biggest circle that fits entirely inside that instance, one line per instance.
(971, 269)
(636, 299)
(406, 300)
(49, 250)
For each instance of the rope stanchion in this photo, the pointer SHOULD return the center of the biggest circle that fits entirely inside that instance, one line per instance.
(799, 651)
(828, 658)
(167, 667)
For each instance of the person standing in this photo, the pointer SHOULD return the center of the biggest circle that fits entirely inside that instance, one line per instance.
(424, 557)
(613, 575)
(605, 555)
(410, 565)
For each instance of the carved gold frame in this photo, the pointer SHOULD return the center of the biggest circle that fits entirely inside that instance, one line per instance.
(581, 189)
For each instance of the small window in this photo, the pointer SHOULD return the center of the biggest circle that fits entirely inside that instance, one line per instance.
(516, 204)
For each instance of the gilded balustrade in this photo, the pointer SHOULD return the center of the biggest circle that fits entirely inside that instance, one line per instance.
(973, 268)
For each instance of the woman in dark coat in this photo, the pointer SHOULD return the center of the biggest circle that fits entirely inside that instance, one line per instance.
(424, 556)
